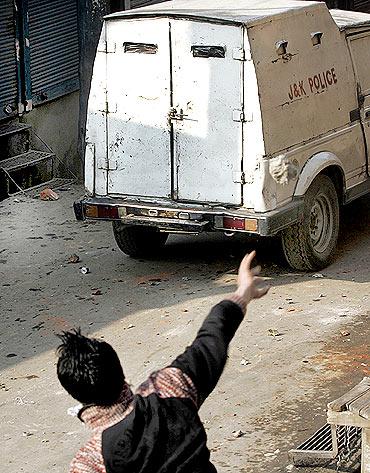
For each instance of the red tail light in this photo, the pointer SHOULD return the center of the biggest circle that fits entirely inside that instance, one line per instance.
(101, 211)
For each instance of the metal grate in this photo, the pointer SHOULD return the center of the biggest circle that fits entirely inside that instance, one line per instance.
(13, 128)
(30, 158)
(327, 444)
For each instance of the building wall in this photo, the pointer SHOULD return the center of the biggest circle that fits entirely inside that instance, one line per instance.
(56, 123)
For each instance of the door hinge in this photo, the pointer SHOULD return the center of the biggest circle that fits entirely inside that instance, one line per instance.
(238, 116)
(239, 177)
(241, 116)
(106, 47)
(110, 107)
(241, 54)
(107, 165)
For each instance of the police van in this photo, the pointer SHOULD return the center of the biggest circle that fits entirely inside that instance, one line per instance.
(229, 116)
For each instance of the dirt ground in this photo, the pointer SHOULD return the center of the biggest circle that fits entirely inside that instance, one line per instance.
(303, 345)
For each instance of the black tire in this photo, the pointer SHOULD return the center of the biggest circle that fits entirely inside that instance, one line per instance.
(310, 244)
(138, 241)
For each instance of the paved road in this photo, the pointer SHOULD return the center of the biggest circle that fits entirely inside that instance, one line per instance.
(300, 347)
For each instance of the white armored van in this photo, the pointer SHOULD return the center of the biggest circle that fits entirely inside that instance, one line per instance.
(235, 116)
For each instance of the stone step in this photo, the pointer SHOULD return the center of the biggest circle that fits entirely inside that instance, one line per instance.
(14, 139)
(24, 171)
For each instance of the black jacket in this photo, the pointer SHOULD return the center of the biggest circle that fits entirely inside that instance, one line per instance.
(163, 432)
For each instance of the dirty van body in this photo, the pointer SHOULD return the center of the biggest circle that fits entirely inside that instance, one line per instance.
(246, 117)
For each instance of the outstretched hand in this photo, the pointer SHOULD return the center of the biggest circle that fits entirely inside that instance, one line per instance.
(250, 285)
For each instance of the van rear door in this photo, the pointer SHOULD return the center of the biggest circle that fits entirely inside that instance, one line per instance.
(138, 102)
(174, 110)
(208, 111)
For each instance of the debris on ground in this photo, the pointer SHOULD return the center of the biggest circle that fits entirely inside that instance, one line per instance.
(128, 327)
(271, 455)
(245, 362)
(48, 194)
(273, 332)
(73, 259)
(84, 270)
(345, 333)
(29, 376)
(22, 401)
(238, 433)
(318, 275)
(38, 326)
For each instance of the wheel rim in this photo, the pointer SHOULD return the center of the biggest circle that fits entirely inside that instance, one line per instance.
(321, 223)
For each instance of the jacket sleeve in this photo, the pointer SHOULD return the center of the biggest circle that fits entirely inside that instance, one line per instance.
(204, 360)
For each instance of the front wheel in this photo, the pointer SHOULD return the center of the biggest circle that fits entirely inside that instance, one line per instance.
(310, 244)
(138, 241)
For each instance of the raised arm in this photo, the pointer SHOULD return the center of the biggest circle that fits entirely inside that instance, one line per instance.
(204, 360)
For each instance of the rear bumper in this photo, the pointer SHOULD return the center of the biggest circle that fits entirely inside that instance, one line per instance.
(187, 218)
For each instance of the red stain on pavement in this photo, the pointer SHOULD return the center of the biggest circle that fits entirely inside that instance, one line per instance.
(352, 359)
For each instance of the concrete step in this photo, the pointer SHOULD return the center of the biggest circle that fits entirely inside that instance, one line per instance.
(14, 139)
(24, 171)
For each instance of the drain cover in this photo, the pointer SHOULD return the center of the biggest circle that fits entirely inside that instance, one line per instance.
(330, 442)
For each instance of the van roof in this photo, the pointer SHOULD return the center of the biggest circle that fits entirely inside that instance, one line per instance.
(350, 19)
(235, 11)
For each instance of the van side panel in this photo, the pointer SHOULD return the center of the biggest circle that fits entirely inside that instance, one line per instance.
(307, 95)
(310, 89)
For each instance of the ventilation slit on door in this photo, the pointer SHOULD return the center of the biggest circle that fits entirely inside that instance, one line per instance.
(143, 48)
(208, 51)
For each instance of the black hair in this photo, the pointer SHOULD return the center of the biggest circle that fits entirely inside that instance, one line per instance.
(89, 369)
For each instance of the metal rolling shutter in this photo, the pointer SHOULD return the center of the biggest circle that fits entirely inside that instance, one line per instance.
(361, 5)
(8, 63)
(53, 34)
(144, 3)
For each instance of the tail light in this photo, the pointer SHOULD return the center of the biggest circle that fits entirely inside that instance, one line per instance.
(101, 211)
(237, 223)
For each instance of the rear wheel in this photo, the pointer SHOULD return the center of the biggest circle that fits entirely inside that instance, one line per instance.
(138, 241)
(310, 244)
